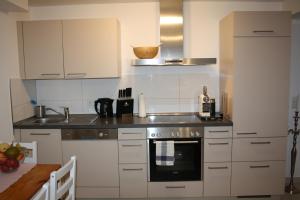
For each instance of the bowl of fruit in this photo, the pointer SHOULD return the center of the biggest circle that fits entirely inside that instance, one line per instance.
(10, 157)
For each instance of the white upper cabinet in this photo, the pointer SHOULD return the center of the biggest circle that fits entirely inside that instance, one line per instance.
(43, 53)
(91, 48)
(71, 49)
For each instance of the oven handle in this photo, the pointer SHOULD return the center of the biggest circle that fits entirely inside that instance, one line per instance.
(183, 142)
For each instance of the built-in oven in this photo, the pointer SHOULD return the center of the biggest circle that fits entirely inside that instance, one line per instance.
(188, 154)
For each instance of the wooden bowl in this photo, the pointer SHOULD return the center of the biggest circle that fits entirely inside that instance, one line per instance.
(145, 52)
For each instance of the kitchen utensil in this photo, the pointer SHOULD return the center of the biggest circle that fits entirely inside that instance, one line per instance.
(106, 108)
(40, 111)
(145, 52)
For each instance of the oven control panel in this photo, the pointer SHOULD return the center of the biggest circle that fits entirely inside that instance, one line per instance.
(175, 132)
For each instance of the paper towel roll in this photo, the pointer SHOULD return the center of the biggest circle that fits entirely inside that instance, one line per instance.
(142, 106)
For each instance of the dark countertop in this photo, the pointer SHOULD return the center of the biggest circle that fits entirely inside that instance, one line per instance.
(90, 121)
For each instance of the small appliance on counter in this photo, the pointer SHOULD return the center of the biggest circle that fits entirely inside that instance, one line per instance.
(207, 106)
(106, 107)
(125, 103)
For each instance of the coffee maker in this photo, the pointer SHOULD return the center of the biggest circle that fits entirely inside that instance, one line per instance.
(106, 108)
(207, 106)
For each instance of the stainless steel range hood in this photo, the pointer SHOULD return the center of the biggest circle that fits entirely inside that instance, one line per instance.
(171, 38)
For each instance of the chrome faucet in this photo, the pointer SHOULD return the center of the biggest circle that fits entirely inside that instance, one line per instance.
(66, 112)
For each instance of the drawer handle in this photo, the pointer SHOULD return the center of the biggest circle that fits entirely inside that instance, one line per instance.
(130, 133)
(50, 74)
(132, 169)
(263, 31)
(218, 131)
(260, 142)
(39, 133)
(259, 166)
(217, 167)
(132, 145)
(175, 187)
(219, 143)
(246, 133)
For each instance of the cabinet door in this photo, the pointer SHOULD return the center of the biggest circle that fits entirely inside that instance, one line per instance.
(133, 180)
(260, 101)
(43, 52)
(132, 151)
(48, 144)
(91, 48)
(217, 179)
(257, 178)
(261, 23)
(217, 150)
(97, 162)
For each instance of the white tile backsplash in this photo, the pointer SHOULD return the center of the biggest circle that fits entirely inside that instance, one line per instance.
(166, 89)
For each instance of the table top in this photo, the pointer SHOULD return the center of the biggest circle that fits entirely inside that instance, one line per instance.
(29, 183)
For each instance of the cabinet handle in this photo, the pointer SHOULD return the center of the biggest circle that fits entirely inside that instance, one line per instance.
(130, 133)
(218, 167)
(50, 74)
(132, 169)
(246, 133)
(76, 74)
(219, 143)
(175, 187)
(39, 133)
(260, 142)
(132, 145)
(263, 31)
(218, 131)
(259, 166)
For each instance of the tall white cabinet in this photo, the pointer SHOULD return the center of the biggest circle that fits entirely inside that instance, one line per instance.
(254, 78)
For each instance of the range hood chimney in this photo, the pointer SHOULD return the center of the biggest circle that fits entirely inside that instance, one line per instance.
(171, 38)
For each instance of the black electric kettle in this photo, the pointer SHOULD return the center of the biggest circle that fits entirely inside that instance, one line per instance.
(106, 108)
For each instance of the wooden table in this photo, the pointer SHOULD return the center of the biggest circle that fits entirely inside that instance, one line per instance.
(29, 183)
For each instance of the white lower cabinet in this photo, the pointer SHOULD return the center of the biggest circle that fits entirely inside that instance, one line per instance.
(217, 179)
(133, 182)
(49, 149)
(175, 189)
(257, 178)
(97, 167)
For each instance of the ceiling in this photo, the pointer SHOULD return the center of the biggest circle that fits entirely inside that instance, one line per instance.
(70, 2)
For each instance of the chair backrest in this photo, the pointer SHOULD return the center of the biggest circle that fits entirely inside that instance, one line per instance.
(43, 193)
(30, 152)
(62, 181)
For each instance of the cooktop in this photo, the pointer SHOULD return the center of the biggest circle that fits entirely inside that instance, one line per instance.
(173, 119)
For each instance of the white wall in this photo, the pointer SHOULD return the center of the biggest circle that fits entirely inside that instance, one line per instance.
(169, 89)
(9, 68)
(294, 92)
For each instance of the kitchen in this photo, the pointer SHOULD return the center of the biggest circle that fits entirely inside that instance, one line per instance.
(167, 89)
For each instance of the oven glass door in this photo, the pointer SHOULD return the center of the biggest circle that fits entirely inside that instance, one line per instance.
(187, 165)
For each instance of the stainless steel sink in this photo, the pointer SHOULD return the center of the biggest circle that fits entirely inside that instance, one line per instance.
(51, 121)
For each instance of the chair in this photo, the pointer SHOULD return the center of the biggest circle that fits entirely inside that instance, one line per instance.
(62, 181)
(31, 151)
(43, 193)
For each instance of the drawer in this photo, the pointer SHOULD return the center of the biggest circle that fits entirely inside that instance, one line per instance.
(259, 149)
(132, 151)
(217, 150)
(217, 179)
(218, 132)
(262, 23)
(133, 180)
(175, 189)
(131, 133)
(258, 178)
(97, 192)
